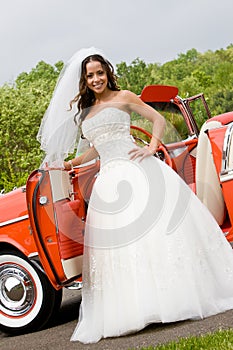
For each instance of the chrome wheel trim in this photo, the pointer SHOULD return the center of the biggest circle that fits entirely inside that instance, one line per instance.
(18, 321)
(17, 290)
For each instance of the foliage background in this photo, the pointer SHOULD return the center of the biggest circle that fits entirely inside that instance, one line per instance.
(22, 104)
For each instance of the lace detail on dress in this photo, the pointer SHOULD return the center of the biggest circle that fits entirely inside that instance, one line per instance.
(108, 117)
(109, 132)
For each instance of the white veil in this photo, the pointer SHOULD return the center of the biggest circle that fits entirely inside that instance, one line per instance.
(58, 133)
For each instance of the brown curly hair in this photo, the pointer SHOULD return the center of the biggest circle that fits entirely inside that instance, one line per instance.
(86, 98)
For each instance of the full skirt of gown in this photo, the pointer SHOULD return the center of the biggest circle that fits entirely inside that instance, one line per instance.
(153, 252)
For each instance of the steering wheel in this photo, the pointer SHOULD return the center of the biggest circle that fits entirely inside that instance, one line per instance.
(161, 152)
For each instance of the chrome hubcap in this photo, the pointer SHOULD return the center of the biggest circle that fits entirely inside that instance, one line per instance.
(17, 291)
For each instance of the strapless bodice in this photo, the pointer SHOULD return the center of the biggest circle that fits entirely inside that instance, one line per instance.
(109, 132)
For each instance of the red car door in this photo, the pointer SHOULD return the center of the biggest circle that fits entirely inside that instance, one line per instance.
(57, 203)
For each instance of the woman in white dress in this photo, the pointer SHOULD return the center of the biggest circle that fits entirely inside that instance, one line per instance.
(153, 252)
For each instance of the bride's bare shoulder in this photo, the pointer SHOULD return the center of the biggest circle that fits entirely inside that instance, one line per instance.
(127, 95)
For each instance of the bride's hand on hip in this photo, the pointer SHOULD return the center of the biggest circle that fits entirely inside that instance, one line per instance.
(139, 152)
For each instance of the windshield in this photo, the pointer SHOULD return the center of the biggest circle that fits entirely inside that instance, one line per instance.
(199, 109)
(176, 129)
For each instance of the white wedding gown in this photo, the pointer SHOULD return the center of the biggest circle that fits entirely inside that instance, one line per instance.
(153, 253)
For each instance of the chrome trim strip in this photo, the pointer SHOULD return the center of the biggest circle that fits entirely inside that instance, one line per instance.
(33, 255)
(12, 221)
(226, 177)
(226, 174)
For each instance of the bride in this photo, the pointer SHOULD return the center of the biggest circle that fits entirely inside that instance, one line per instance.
(152, 252)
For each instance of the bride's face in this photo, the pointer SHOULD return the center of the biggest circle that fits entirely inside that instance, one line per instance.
(96, 77)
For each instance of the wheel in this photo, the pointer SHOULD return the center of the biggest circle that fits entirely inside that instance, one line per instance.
(27, 299)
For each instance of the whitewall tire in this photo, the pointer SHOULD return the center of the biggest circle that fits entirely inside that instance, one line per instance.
(27, 299)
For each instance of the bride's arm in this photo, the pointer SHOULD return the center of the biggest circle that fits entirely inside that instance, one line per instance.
(87, 156)
(135, 104)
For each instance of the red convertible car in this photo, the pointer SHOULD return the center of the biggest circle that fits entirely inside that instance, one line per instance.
(42, 224)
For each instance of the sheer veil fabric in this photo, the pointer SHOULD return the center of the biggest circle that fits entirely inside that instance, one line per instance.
(58, 133)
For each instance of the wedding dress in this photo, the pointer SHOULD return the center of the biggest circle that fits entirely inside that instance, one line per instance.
(153, 253)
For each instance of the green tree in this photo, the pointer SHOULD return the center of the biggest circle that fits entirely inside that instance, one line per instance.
(21, 109)
(135, 76)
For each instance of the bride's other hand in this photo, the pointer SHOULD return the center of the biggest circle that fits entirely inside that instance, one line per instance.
(68, 165)
(139, 152)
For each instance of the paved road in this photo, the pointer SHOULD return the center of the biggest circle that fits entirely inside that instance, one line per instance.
(57, 337)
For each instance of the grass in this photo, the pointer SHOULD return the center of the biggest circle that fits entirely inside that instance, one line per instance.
(220, 340)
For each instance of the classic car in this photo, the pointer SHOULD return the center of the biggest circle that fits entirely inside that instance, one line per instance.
(42, 224)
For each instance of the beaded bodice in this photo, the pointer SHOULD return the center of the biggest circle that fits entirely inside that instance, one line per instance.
(109, 132)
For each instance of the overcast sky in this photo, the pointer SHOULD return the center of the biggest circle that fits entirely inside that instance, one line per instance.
(153, 30)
